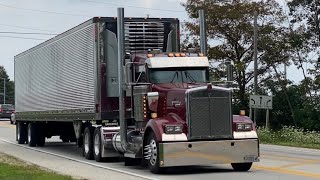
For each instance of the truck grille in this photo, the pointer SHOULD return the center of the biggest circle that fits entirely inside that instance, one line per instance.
(209, 113)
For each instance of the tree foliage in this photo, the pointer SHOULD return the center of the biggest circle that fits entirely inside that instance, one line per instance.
(230, 28)
(9, 87)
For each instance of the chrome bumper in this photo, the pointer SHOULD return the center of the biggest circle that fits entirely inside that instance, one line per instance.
(208, 152)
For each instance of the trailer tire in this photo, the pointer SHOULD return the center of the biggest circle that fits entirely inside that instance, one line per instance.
(241, 166)
(97, 146)
(153, 152)
(88, 143)
(41, 138)
(21, 132)
(32, 134)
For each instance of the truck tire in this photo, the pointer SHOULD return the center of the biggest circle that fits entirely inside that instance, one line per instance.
(21, 132)
(241, 166)
(87, 147)
(32, 134)
(97, 146)
(153, 152)
(41, 138)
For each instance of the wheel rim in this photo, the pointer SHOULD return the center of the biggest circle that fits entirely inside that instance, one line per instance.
(86, 143)
(96, 144)
(29, 134)
(153, 152)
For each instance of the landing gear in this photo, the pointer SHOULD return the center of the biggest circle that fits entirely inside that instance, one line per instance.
(152, 154)
(241, 166)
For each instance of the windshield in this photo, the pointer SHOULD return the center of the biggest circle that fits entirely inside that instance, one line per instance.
(179, 75)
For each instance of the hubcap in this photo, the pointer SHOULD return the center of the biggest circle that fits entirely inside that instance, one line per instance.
(96, 144)
(153, 153)
(86, 143)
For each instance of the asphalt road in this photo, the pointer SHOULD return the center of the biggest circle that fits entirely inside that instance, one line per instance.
(277, 162)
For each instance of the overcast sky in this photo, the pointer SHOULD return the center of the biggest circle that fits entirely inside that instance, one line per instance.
(44, 16)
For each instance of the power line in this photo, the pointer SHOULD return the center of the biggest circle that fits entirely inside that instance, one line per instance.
(138, 7)
(27, 33)
(16, 37)
(43, 11)
(25, 27)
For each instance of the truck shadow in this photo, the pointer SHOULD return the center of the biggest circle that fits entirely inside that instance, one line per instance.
(195, 170)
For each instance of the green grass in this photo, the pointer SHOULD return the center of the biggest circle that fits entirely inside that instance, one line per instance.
(290, 136)
(12, 169)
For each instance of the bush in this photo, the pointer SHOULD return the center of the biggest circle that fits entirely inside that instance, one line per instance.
(291, 136)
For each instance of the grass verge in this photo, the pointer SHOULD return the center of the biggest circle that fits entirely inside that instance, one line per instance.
(12, 168)
(290, 136)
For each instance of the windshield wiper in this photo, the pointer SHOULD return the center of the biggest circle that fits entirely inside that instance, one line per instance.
(188, 75)
(176, 74)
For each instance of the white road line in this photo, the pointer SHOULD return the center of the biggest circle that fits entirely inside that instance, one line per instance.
(80, 161)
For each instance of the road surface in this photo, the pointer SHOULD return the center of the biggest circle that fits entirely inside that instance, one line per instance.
(277, 163)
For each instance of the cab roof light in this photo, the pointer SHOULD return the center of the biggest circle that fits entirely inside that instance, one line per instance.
(242, 112)
(201, 54)
(170, 55)
(177, 55)
(183, 54)
(150, 55)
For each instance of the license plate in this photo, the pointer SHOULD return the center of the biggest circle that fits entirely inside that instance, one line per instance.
(250, 158)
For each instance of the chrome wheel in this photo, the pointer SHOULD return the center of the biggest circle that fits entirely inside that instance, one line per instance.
(152, 152)
(96, 144)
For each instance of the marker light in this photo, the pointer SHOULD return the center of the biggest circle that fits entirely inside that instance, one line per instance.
(150, 55)
(201, 54)
(154, 115)
(177, 54)
(242, 112)
(170, 55)
(183, 54)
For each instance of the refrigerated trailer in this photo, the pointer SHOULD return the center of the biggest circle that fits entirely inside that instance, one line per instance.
(119, 87)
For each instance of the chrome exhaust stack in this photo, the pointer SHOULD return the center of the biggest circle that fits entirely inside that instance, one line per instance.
(121, 51)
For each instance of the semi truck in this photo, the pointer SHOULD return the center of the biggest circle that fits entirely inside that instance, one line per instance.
(121, 87)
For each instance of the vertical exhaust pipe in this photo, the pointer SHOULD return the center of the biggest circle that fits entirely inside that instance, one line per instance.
(203, 35)
(121, 49)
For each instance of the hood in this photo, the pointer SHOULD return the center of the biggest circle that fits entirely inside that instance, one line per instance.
(172, 98)
(177, 86)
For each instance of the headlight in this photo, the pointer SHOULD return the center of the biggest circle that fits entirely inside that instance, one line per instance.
(173, 129)
(243, 127)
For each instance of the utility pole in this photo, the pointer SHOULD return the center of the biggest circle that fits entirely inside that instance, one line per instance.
(4, 90)
(255, 44)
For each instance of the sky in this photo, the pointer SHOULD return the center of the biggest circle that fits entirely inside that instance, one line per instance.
(55, 17)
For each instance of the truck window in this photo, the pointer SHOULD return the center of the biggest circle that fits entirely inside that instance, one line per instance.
(179, 75)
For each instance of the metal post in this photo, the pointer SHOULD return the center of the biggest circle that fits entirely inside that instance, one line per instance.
(255, 60)
(229, 73)
(267, 118)
(203, 35)
(120, 34)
